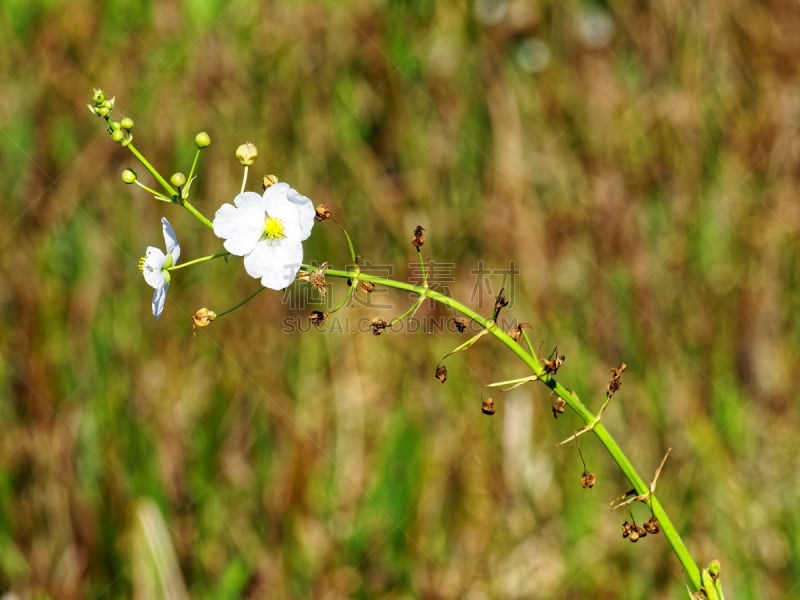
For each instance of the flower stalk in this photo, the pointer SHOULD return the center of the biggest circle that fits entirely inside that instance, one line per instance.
(268, 229)
(572, 400)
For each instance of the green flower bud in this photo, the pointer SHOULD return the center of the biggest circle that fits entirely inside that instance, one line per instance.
(101, 106)
(247, 154)
(126, 123)
(714, 569)
(129, 176)
(202, 140)
(118, 136)
(178, 179)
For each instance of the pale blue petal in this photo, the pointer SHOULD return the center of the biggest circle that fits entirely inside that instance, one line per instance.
(159, 298)
(170, 240)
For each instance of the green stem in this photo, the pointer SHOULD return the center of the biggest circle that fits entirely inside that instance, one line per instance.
(197, 214)
(245, 301)
(171, 191)
(572, 400)
(422, 266)
(244, 179)
(198, 260)
(194, 166)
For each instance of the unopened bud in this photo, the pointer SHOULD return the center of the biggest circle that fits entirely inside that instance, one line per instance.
(202, 140)
(247, 154)
(129, 176)
(126, 123)
(178, 179)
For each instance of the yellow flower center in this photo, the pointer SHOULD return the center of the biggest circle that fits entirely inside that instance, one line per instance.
(273, 228)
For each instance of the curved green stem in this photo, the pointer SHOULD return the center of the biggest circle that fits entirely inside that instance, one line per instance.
(245, 301)
(572, 400)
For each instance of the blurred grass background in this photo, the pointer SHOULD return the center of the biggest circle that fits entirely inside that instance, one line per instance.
(638, 161)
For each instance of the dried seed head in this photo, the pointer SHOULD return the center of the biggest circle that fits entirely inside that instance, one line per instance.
(627, 527)
(318, 317)
(367, 286)
(559, 406)
(419, 239)
(515, 333)
(636, 534)
(378, 326)
(268, 181)
(323, 212)
(616, 379)
(552, 365)
(202, 318)
(588, 479)
(461, 323)
(500, 301)
(487, 406)
(652, 526)
(317, 279)
(441, 373)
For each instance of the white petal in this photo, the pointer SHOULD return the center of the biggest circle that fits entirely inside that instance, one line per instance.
(159, 297)
(170, 240)
(246, 199)
(154, 260)
(305, 211)
(241, 227)
(285, 211)
(276, 263)
(275, 194)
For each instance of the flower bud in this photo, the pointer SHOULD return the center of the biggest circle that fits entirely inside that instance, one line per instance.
(714, 569)
(101, 106)
(202, 140)
(247, 154)
(129, 176)
(178, 179)
(118, 136)
(126, 123)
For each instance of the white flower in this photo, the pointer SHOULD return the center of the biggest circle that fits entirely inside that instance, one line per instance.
(155, 263)
(268, 230)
